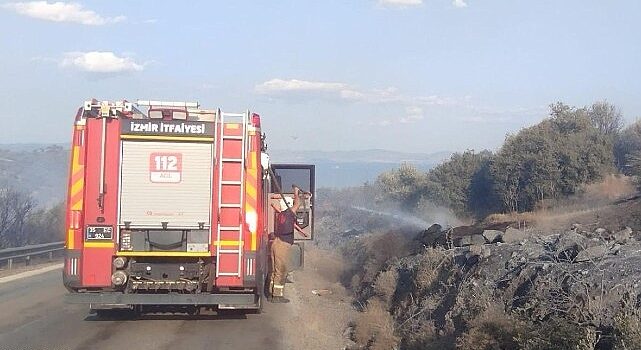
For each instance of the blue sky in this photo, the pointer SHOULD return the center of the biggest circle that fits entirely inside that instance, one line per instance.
(409, 75)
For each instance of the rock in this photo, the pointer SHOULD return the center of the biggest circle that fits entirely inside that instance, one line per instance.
(622, 236)
(432, 236)
(615, 249)
(477, 239)
(461, 241)
(592, 253)
(569, 244)
(493, 236)
(600, 231)
(513, 235)
(482, 251)
(469, 240)
(576, 227)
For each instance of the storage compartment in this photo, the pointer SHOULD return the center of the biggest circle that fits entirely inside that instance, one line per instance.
(166, 185)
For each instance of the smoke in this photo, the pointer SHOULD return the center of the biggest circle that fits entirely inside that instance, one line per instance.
(426, 215)
(401, 217)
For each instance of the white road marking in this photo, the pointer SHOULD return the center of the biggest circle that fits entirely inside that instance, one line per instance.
(30, 273)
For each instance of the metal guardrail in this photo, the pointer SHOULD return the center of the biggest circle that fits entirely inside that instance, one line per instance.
(28, 251)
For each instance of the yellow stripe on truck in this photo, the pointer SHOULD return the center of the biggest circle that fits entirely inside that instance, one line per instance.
(70, 240)
(251, 190)
(250, 203)
(77, 187)
(76, 191)
(99, 244)
(234, 243)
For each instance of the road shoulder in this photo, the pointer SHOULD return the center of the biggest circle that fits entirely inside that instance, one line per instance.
(24, 273)
(320, 309)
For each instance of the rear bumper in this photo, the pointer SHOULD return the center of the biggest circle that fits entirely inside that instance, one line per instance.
(161, 299)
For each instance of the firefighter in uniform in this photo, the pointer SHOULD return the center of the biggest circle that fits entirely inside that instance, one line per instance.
(281, 245)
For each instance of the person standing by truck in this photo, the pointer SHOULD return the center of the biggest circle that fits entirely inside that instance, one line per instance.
(281, 245)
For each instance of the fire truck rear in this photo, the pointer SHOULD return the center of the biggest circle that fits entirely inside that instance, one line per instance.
(169, 205)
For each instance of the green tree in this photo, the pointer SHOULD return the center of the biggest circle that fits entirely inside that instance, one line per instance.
(555, 157)
(606, 118)
(627, 143)
(405, 185)
(483, 199)
(449, 184)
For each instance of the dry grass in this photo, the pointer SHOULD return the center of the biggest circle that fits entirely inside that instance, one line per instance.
(525, 217)
(492, 329)
(385, 286)
(553, 215)
(368, 255)
(612, 187)
(375, 328)
(628, 325)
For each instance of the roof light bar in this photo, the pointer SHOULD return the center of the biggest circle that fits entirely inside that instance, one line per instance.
(168, 104)
(105, 106)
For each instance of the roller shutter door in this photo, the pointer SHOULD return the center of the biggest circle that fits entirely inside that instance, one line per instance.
(166, 182)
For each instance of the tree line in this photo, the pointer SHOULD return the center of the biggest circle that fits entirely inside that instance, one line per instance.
(22, 223)
(553, 159)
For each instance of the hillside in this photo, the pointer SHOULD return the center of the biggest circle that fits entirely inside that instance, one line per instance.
(40, 170)
(564, 277)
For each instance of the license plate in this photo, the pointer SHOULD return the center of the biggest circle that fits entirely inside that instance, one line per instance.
(99, 232)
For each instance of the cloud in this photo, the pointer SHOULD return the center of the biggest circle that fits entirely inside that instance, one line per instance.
(413, 114)
(346, 92)
(459, 3)
(61, 12)
(400, 3)
(296, 87)
(293, 85)
(100, 62)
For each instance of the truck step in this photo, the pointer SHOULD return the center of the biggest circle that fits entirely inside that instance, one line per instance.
(231, 182)
(230, 205)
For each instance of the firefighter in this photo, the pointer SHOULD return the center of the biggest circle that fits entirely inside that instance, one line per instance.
(282, 243)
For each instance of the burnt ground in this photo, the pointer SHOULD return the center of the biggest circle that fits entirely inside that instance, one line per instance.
(562, 279)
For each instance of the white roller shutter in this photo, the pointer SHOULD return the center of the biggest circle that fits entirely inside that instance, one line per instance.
(166, 182)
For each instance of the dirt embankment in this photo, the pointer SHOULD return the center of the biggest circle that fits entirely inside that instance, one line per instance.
(574, 287)
(555, 279)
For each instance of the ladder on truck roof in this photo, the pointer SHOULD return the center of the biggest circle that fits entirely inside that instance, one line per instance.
(231, 180)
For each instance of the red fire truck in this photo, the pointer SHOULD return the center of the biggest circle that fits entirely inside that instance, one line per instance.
(169, 205)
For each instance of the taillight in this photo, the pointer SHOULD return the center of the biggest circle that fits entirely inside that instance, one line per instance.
(251, 218)
(256, 120)
(125, 240)
(75, 219)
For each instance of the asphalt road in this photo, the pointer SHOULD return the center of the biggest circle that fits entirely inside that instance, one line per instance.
(33, 316)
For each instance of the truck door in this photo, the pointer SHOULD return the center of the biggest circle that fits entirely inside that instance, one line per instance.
(285, 177)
